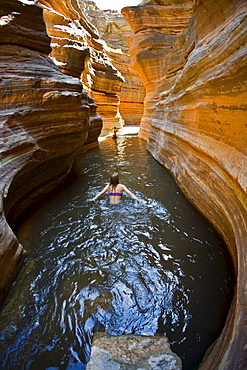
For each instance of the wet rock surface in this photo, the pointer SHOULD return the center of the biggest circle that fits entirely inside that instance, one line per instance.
(132, 352)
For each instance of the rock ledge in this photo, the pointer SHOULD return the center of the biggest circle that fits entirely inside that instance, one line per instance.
(132, 352)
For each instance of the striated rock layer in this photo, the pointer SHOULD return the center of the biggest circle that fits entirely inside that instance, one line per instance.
(115, 31)
(45, 117)
(192, 58)
(78, 51)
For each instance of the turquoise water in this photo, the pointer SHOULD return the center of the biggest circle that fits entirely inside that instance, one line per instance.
(126, 268)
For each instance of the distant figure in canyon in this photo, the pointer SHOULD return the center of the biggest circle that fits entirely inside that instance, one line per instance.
(114, 136)
(115, 191)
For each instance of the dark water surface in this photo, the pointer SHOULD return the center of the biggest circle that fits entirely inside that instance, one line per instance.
(126, 268)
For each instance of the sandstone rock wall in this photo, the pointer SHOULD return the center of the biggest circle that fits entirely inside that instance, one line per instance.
(45, 117)
(192, 58)
(116, 32)
(78, 51)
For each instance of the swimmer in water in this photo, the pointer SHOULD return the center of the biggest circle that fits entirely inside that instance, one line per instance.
(115, 191)
(114, 136)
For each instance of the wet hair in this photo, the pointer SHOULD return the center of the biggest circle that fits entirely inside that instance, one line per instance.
(114, 180)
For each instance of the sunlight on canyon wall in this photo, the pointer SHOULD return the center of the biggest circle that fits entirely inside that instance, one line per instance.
(192, 57)
(79, 50)
(115, 31)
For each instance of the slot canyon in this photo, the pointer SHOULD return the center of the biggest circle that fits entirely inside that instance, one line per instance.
(177, 68)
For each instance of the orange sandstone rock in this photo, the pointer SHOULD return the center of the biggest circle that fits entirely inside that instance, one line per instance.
(115, 31)
(78, 51)
(192, 58)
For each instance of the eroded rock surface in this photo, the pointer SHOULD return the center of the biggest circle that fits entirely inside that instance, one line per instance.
(78, 51)
(192, 58)
(45, 117)
(116, 32)
(132, 352)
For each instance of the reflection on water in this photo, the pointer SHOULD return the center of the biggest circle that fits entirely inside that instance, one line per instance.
(125, 268)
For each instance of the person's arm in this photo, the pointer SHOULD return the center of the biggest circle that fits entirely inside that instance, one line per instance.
(131, 194)
(99, 194)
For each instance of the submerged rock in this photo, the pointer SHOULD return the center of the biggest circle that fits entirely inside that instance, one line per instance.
(132, 352)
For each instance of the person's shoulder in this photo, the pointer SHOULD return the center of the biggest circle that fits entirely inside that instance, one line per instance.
(123, 187)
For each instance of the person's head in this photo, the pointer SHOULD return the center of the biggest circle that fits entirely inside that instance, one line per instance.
(114, 179)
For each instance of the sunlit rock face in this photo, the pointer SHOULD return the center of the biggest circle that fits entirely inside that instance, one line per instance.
(45, 117)
(78, 51)
(192, 58)
(116, 32)
(155, 48)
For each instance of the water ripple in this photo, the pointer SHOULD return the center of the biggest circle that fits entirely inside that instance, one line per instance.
(126, 268)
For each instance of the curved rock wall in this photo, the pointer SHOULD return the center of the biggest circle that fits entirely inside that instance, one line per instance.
(78, 51)
(192, 58)
(115, 31)
(45, 117)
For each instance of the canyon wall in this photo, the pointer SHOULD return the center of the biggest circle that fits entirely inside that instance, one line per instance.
(115, 31)
(192, 57)
(79, 51)
(46, 119)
